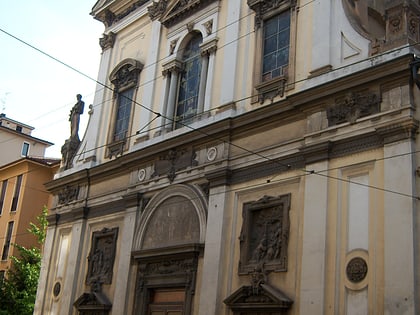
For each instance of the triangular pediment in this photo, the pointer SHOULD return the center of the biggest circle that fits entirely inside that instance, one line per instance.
(92, 301)
(264, 297)
(170, 12)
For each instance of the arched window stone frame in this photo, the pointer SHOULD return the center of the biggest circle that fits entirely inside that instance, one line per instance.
(125, 79)
(172, 71)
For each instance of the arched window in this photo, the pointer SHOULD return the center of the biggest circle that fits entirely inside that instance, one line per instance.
(124, 78)
(189, 82)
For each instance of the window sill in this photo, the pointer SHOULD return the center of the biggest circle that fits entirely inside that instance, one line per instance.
(272, 88)
(116, 148)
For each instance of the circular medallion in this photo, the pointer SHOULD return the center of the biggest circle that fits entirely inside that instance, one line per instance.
(356, 269)
(57, 288)
(141, 175)
(212, 153)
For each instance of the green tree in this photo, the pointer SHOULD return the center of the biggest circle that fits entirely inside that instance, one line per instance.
(18, 289)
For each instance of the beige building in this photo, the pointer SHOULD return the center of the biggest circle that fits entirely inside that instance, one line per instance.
(17, 138)
(243, 157)
(22, 191)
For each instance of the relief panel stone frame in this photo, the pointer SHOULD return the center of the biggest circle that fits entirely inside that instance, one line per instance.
(265, 234)
(102, 256)
(276, 86)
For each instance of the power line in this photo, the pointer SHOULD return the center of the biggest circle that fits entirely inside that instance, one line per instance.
(188, 126)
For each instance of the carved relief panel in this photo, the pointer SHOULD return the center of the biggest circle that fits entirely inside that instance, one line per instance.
(352, 107)
(265, 233)
(101, 257)
(174, 223)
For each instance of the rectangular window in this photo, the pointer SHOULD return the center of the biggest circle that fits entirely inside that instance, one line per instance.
(17, 193)
(3, 194)
(122, 121)
(7, 241)
(25, 149)
(276, 35)
(19, 128)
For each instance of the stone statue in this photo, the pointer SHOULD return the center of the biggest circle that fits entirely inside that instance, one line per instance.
(69, 149)
(74, 118)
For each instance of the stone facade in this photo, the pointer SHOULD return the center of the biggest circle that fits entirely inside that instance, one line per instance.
(283, 183)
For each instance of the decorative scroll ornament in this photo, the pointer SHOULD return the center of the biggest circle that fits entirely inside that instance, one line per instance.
(107, 41)
(178, 10)
(174, 161)
(259, 297)
(262, 7)
(68, 194)
(168, 267)
(111, 18)
(208, 26)
(352, 107)
(126, 74)
(157, 9)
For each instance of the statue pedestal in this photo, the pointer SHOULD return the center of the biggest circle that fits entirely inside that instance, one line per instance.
(68, 152)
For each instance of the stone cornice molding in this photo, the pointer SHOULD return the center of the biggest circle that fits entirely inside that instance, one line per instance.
(108, 14)
(263, 8)
(209, 47)
(172, 66)
(171, 13)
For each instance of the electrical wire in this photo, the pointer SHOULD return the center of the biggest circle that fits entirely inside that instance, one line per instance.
(158, 114)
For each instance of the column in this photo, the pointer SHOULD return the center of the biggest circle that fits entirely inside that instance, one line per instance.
(203, 81)
(164, 102)
(70, 280)
(321, 29)
(314, 241)
(150, 74)
(212, 271)
(171, 70)
(208, 52)
(399, 215)
(122, 280)
(170, 107)
(45, 273)
(230, 51)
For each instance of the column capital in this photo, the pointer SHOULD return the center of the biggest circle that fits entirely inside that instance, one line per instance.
(220, 177)
(209, 47)
(172, 66)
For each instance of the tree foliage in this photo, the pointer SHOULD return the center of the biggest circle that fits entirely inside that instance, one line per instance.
(18, 289)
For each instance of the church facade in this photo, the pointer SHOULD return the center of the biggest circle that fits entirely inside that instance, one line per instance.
(242, 158)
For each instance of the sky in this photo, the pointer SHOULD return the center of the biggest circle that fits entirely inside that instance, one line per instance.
(35, 89)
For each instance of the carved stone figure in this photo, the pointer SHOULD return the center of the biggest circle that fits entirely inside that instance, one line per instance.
(265, 234)
(102, 256)
(74, 116)
(352, 107)
(69, 149)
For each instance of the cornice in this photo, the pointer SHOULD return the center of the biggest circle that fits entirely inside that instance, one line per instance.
(218, 130)
(171, 13)
(111, 12)
(289, 110)
(298, 102)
